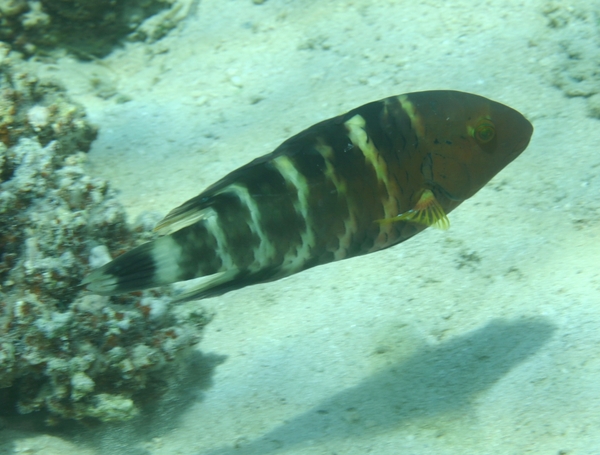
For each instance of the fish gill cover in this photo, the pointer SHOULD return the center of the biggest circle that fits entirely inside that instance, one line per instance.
(64, 352)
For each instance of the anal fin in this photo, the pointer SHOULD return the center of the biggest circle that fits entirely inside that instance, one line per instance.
(223, 282)
(207, 287)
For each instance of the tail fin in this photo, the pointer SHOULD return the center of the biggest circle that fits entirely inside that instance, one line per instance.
(149, 265)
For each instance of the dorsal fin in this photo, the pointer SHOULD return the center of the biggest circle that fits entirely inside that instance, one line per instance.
(186, 214)
(195, 209)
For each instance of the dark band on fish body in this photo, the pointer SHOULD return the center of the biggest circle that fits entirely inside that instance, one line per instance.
(240, 239)
(266, 188)
(197, 241)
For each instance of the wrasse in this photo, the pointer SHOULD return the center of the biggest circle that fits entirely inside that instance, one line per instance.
(351, 185)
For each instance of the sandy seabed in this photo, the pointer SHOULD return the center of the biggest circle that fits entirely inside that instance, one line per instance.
(482, 339)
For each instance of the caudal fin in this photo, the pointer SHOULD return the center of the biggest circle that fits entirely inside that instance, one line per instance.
(149, 265)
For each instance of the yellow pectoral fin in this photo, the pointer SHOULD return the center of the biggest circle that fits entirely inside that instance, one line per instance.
(427, 211)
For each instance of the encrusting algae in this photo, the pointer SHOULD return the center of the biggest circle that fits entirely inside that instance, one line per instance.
(86, 29)
(62, 351)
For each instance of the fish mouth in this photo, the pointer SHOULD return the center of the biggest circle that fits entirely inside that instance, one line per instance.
(521, 144)
(520, 148)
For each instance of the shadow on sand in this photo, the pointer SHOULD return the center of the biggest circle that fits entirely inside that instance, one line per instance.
(160, 414)
(434, 381)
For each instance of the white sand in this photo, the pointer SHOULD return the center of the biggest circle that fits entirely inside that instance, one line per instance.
(403, 351)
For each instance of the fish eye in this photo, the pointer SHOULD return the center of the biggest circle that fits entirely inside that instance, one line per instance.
(485, 131)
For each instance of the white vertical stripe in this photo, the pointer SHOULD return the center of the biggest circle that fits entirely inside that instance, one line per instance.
(350, 224)
(222, 249)
(166, 253)
(360, 139)
(294, 260)
(264, 253)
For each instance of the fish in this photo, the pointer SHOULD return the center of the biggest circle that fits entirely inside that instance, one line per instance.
(351, 185)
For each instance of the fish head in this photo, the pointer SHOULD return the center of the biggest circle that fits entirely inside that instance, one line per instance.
(468, 139)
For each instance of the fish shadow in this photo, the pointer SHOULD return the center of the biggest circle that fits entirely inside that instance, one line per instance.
(435, 380)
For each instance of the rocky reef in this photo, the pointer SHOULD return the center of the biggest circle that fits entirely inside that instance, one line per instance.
(65, 352)
(575, 30)
(88, 29)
